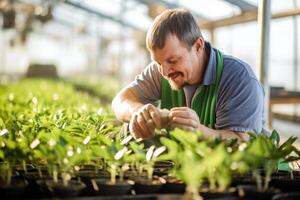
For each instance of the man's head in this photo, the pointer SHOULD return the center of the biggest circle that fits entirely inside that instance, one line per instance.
(176, 44)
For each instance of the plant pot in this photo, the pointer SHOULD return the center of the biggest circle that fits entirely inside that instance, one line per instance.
(13, 191)
(251, 192)
(242, 180)
(173, 186)
(106, 188)
(59, 190)
(287, 196)
(41, 190)
(230, 193)
(162, 168)
(33, 190)
(285, 183)
(146, 186)
(87, 180)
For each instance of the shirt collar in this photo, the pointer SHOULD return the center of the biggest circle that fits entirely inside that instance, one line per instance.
(210, 71)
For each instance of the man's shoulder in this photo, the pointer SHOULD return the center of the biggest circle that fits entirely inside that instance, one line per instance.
(235, 66)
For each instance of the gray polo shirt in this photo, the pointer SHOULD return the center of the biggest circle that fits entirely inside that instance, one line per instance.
(240, 100)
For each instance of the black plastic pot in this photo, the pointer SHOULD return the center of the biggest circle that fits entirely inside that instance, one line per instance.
(246, 179)
(173, 186)
(105, 187)
(13, 191)
(36, 186)
(250, 192)
(285, 183)
(89, 190)
(162, 168)
(230, 193)
(145, 186)
(287, 196)
(59, 190)
(42, 191)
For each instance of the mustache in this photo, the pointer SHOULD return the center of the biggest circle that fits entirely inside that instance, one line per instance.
(174, 74)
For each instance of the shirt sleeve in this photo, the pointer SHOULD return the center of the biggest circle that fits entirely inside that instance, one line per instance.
(240, 103)
(147, 84)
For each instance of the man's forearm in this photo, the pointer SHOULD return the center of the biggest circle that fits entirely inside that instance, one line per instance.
(124, 104)
(208, 132)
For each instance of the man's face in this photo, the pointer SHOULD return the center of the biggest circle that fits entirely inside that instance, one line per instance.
(178, 64)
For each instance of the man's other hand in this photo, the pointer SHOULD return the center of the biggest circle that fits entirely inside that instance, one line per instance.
(144, 121)
(184, 118)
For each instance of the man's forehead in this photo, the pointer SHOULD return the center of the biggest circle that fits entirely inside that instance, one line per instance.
(163, 55)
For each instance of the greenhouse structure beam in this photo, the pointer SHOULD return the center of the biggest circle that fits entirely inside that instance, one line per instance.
(264, 20)
(248, 16)
(101, 15)
(170, 5)
(243, 5)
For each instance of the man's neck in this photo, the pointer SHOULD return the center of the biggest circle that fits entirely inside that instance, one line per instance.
(202, 66)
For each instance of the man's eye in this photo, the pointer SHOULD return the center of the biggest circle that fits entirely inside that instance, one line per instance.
(172, 61)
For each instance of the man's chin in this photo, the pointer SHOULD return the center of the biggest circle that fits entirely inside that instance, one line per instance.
(175, 86)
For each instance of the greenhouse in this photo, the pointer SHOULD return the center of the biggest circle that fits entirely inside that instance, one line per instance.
(149, 100)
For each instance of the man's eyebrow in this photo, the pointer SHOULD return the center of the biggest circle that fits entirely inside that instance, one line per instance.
(173, 57)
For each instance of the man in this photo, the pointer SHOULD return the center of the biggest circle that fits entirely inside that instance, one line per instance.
(198, 87)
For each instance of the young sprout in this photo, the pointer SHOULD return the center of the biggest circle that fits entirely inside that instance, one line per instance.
(86, 140)
(151, 157)
(126, 140)
(34, 143)
(3, 132)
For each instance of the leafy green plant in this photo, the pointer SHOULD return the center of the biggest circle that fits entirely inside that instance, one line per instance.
(266, 152)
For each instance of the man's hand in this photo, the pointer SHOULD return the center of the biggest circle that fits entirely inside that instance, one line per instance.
(185, 118)
(144, 121)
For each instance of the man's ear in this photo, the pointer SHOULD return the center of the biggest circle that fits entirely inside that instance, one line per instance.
(199, 44)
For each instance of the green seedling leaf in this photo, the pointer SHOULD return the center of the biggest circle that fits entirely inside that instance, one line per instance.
(35, 143)
(86, 140)
(275, 137)
(126, 140)
(159, 151)
(150, 153)
(120, 153)
(3, 132)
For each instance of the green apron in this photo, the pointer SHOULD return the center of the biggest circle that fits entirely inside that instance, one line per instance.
(204, 101)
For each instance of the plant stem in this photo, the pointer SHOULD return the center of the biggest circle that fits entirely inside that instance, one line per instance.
(55, 176)
(113, 174)
(150, 172)
(192, 193)
(40, 171)
(24, 166)
(258, 180)
(9, 174)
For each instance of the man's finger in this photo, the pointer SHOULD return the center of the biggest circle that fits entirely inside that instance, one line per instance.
(134, 128)
(143, 125)
(185, 122)
(155, 116)
(181, 112)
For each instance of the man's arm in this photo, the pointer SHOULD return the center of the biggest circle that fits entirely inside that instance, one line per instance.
(208, 132)
(125, 103)
(186, 118)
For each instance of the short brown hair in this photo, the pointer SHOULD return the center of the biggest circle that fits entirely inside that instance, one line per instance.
(179, 22)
